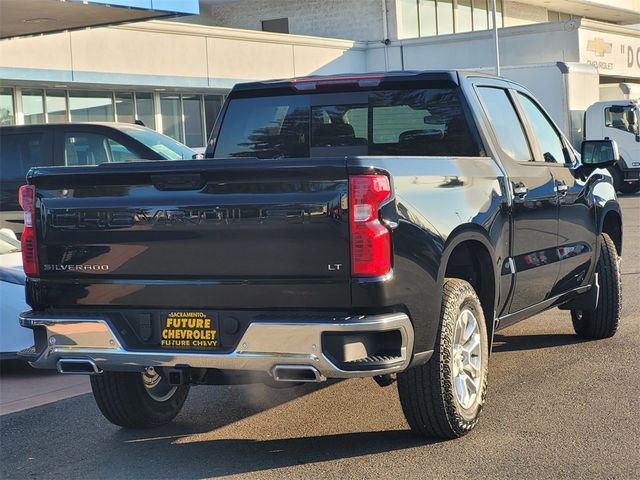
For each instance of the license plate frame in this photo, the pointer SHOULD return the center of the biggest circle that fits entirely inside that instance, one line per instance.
(196, 330)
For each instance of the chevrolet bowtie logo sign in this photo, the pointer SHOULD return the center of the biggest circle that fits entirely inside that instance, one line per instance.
(599, 47)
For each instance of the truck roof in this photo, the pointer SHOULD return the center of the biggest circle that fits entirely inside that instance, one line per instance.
(382, 77)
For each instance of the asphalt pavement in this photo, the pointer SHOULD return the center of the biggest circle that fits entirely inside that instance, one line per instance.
(557, 407)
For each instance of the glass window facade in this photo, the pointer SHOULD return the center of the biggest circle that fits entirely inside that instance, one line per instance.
(188, 118)
(171, 116)
(481, 14)
(145, 112)
(428, 23)
(424, 18)
(408, 18)
(465, 16)
(89, 106)
(124, 107)
(193, 121)
(56, 102)
(445, 16)
(7, 112)
(32, 106)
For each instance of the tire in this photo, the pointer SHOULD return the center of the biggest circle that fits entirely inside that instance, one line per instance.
(429, 393)
(604, 320)
(129, 400)
(617, 177)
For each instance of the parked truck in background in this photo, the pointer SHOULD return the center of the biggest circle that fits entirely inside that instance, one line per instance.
(373, 225)
(586, 110)
(618, 120)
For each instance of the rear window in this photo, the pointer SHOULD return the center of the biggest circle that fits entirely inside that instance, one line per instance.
(425, 122)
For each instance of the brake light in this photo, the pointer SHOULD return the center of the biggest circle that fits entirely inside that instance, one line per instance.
(29, 239)
(336, 83)
(370, 240)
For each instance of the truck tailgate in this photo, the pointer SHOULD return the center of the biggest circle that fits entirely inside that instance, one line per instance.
(207, 223)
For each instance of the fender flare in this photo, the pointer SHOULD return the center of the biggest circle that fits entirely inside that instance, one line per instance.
(469, 232)
(602, 212)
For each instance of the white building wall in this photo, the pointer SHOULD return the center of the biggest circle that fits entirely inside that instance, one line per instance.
(348, 19)
(553, 42)
(516, 13)
(166, 54)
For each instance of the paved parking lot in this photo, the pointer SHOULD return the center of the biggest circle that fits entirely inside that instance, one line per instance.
(557, 407)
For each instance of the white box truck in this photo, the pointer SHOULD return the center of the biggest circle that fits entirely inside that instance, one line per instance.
(586, 110)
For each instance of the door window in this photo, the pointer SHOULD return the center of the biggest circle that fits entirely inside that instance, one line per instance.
(82, 149)
(548, 137)
(505, 123)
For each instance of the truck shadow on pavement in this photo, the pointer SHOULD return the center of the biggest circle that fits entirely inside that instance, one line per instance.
(511, 343)
(200, 444)
(207, 458)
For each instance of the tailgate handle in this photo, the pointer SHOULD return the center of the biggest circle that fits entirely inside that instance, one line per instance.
(191, 181)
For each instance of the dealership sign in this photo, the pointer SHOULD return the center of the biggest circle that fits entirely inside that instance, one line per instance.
(611, 54)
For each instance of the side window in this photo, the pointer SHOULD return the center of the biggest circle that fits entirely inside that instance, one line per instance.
(20, 152)
(621, 117)
(120, 153)
(506, 123)
(85, 149)
(81, 149)
(548, 138)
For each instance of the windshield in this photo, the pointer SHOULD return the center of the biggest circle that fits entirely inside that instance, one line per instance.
(623, 117)
(165, 146)
(420, 122)
(8, 244)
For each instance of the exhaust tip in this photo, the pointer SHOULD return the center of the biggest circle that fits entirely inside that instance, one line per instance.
(297, 373)
(77, 366)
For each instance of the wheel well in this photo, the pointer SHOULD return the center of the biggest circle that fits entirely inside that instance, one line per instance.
(612, 226)
(471, 261)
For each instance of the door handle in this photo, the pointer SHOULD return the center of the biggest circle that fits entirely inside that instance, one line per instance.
(520, 190)
(562, 187)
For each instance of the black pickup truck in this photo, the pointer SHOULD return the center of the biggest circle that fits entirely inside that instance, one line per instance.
(378, 225)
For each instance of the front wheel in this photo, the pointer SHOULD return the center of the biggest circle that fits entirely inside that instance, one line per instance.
(444, 397)
(602, 322)
(138, 400)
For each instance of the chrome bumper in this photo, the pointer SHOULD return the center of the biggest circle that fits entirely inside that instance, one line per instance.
(264, 346)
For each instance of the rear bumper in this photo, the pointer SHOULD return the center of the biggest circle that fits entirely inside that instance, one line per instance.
(263, 346)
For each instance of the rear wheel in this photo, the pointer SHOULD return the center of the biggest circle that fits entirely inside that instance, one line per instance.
(444, 397)
(602, 322)
(138, 400)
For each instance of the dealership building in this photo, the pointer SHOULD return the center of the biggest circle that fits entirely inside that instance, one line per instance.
(169, 63)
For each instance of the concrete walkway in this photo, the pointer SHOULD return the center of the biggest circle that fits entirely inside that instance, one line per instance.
(23, 387)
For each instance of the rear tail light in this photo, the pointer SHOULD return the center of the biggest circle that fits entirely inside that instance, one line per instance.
(370, 240)
(29, 239)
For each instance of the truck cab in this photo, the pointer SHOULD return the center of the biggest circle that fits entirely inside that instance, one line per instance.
(618, 120)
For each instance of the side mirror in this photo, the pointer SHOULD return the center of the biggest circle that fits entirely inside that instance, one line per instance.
(599, 153)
